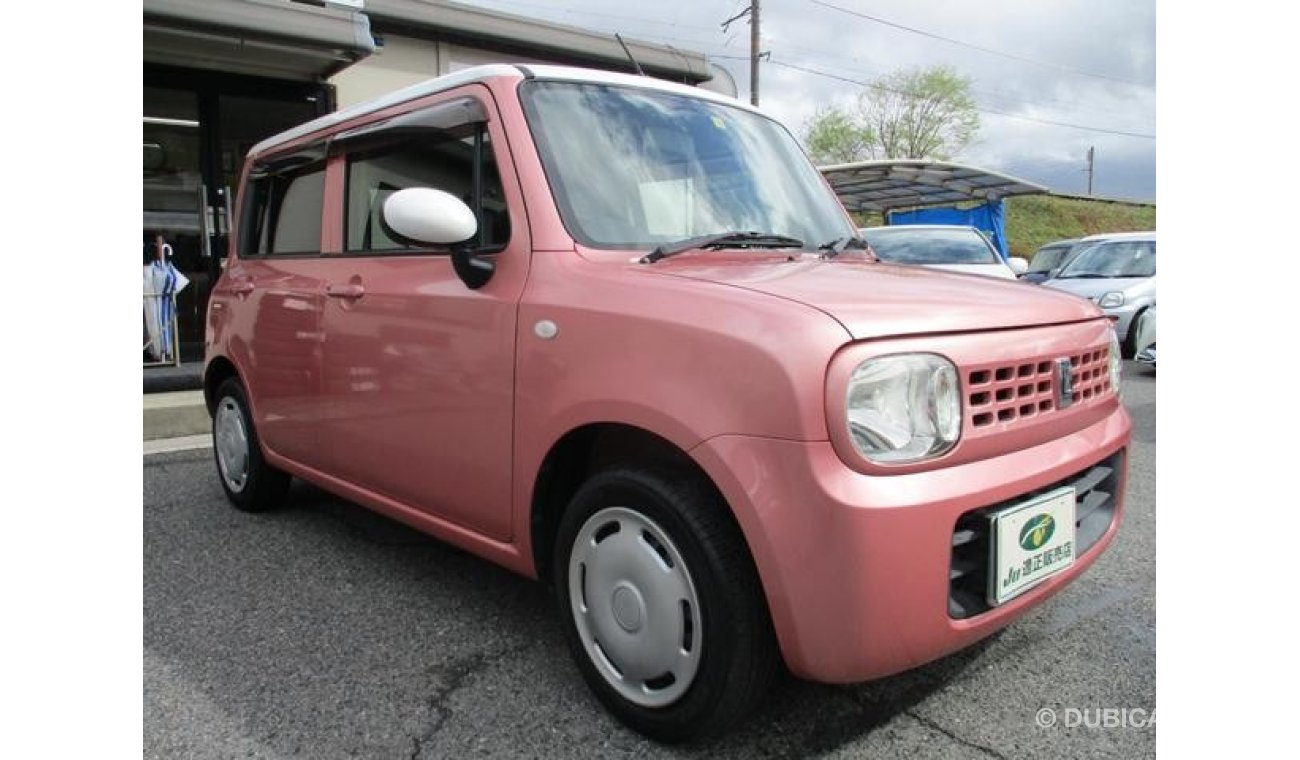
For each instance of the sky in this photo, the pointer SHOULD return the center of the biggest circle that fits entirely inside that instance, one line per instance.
(1039, 70)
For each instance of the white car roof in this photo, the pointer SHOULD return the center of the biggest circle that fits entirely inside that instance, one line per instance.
(600, 76)
(1151, 235)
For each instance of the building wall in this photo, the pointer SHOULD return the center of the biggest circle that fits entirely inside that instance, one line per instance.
(404, 61)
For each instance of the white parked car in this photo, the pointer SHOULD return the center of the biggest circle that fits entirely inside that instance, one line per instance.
(942, 246)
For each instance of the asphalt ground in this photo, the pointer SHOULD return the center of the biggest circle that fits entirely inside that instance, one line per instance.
(324, 631)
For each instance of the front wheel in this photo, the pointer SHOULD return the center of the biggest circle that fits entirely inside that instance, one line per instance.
(661, 603)
(1135, 330)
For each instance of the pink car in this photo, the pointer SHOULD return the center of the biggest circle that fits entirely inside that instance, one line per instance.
(618, 335)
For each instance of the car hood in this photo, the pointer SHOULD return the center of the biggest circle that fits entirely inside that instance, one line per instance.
(1094, 288)
(876, 300)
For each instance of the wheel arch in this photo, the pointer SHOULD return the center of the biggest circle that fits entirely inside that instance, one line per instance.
(1129, 347)
(219, 370)
(582, 452)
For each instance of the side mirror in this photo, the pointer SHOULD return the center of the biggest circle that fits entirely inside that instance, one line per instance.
(1018, 265)
(432, 217)
(425, 216)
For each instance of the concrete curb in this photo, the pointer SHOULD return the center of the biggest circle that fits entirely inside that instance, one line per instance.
(184, 443)
(176, 414)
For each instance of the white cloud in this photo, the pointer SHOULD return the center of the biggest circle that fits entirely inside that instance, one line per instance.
(1111, 39)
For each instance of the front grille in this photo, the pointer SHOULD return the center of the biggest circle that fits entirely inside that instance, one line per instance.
(1090, 373)
(1002, 395)
(1096, 496)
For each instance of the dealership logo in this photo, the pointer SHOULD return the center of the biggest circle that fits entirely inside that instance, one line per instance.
(1037, 532)
(1065, 388)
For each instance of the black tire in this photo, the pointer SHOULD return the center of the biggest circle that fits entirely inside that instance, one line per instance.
(263, 487)
(738, 657)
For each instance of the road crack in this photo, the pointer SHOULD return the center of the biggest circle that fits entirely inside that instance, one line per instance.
(452, 677)
(930, 724)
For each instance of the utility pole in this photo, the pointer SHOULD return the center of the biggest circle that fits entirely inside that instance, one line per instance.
(1092, 150)
(754, 53)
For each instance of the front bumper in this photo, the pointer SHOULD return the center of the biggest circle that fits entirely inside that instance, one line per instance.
(856, 567)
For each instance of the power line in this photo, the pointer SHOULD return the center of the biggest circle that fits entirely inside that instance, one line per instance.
(999, 94)
(973, 46)
(990, 111)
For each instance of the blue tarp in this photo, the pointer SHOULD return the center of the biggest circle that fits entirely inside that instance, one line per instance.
(991, 218)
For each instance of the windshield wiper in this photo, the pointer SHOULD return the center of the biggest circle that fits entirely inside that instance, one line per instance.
(722, 240)
(1083, 276)
(836, 246)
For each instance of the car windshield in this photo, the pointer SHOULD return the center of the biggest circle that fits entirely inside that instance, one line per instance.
(1048, 258)
(1116, 258)
(636, 168)
(902, 245)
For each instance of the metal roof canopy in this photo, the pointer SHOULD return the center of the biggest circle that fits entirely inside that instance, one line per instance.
(586, 47)
(895, 183)
(260, 37)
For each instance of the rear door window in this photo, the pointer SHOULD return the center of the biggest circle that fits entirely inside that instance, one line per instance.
(283, 212)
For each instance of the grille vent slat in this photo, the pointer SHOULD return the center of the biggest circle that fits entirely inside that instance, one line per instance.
(1090, 504)
(1092, 479)
(1000, 396)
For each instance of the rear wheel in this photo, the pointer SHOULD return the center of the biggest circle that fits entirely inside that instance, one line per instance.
(661, 603)
(249, 482)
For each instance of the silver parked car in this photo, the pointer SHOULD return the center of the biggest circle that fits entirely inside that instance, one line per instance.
(1118, 273)
(1146, 337)
(1048, 259)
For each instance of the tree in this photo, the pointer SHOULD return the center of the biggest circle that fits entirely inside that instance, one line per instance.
(833, 137)
(917, 113)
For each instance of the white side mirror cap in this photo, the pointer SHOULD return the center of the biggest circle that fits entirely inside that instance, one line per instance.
(1018, 265)
(426, 215)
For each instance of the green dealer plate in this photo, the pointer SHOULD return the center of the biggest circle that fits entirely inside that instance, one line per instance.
(1031, 541)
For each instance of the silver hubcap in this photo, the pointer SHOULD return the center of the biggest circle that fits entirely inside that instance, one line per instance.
(231, 441)
(635, 606)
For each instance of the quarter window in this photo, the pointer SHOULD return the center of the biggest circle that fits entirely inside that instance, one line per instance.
(446, 160)
(283, 212)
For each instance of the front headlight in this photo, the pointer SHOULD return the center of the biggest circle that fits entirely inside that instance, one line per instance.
(1111, 300)
(1116, 363)
(904, 408)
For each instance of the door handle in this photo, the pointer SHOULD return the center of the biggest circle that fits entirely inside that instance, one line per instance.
(241, 287)
(346, 290)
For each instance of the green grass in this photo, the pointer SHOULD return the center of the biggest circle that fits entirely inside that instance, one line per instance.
(1033, 220)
